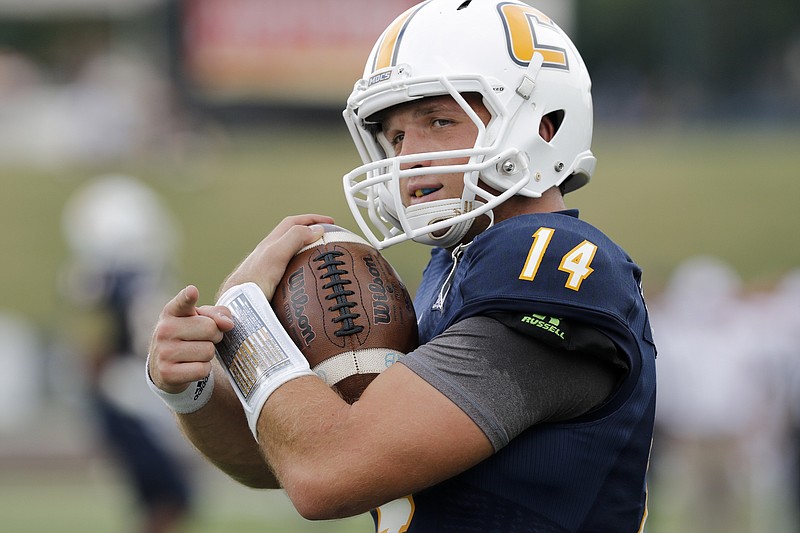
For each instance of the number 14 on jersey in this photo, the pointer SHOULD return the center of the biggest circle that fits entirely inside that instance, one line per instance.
(576, 262)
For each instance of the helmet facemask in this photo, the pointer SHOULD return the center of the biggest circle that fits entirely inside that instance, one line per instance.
(376, 187)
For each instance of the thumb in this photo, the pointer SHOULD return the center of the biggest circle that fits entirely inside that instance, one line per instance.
(316, 231)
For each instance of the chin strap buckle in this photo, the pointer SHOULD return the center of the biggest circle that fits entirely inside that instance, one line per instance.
(528, 83)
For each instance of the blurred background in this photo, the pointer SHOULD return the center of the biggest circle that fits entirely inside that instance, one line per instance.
(147, 144)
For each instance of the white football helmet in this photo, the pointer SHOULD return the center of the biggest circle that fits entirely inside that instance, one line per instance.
(524, 67)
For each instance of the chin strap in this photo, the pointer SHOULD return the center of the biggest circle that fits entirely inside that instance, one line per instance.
(426, 214)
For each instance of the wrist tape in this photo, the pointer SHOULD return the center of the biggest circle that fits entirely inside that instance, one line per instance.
(258, 354)
(190, 400)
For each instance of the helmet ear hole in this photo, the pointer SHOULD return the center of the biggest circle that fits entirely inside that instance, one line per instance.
(556, 118)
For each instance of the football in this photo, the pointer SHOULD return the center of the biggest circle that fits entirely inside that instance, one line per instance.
(347, 310)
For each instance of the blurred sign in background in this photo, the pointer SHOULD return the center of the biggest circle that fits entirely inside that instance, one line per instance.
(303, 51)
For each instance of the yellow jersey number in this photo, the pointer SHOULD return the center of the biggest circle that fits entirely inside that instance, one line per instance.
(576, 262)
(395, 516)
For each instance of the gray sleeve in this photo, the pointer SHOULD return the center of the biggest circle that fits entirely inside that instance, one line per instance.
(507, 381)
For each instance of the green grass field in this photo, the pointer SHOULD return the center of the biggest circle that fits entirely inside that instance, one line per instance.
(96, 499)
(664, 195)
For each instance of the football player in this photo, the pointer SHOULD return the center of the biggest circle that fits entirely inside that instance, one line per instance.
(529, 404)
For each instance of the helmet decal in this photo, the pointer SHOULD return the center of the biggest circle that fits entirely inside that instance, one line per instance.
(520, 25)
(390, 41)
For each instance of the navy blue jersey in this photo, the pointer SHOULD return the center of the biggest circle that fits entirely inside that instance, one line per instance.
(584, 475)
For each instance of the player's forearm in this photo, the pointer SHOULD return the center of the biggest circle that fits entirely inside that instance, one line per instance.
(320, 451)
(337, 460)
(219, 431)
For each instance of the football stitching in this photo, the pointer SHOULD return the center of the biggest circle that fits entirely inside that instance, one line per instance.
(336, 284)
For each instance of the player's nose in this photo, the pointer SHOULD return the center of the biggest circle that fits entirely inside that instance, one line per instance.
(412, 146)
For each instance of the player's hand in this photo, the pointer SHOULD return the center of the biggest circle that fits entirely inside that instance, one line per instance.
(267, 262)
(182, 346)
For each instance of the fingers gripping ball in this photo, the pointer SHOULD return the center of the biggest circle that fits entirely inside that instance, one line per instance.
(347, 310)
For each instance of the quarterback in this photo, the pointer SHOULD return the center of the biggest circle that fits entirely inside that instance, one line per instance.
(529, 404)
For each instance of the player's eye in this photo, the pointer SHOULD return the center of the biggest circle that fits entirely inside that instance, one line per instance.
(396, 141)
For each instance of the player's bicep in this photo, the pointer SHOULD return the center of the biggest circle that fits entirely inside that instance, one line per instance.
(424, 437)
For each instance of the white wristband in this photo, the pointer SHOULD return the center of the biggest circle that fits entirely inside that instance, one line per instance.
(258, 354)
(190, 400)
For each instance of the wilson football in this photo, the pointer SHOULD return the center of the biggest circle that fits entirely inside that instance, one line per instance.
(346, 309)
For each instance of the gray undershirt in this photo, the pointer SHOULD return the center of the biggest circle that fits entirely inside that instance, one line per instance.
(507, 381)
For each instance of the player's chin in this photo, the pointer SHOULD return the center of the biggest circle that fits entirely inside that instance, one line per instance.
(441, 233)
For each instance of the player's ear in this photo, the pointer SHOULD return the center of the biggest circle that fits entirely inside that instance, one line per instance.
(547, 129)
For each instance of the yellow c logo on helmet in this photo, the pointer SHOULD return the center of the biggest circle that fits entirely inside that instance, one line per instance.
(520, 23)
